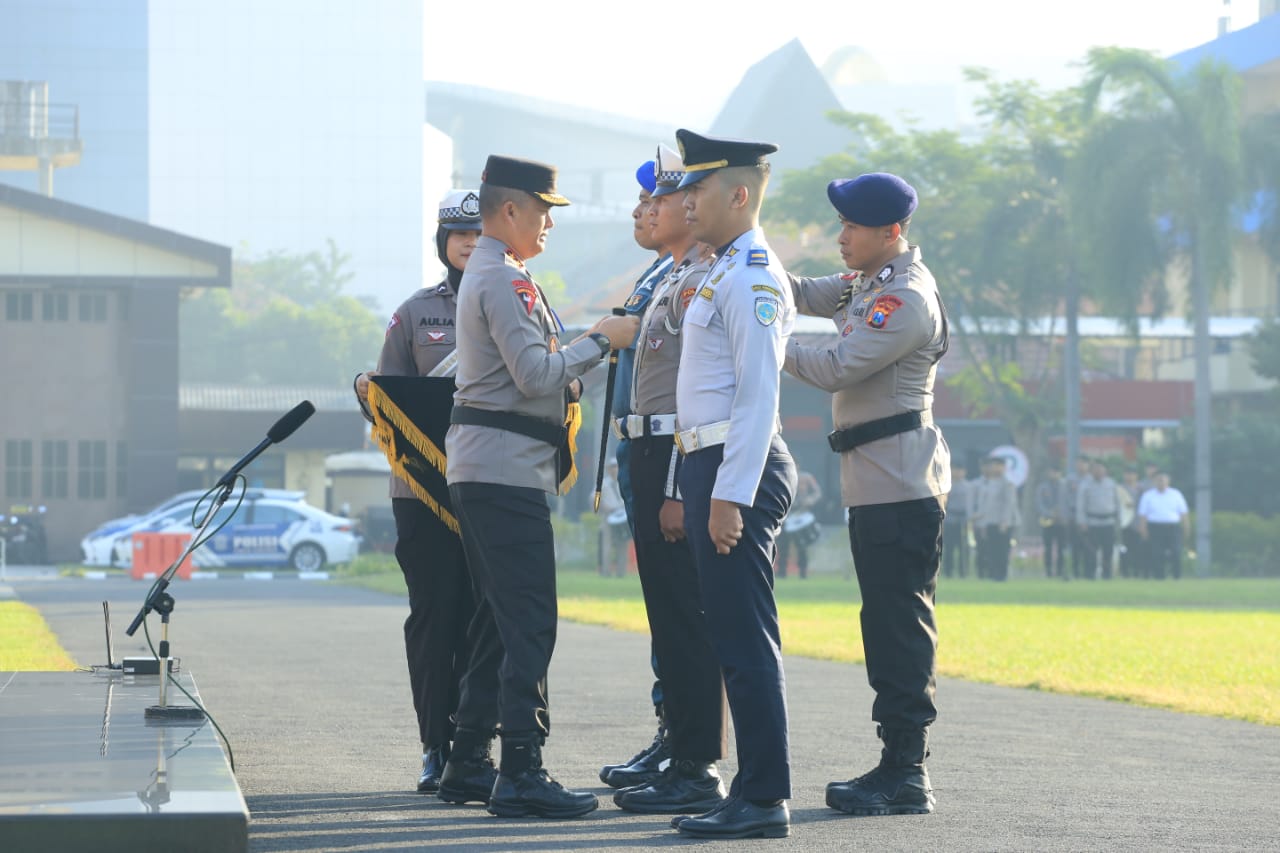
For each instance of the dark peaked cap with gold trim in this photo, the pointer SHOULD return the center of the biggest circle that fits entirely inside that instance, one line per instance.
(703, 155)
(537, 179)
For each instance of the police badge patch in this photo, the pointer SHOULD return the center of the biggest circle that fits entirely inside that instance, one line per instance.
(766, 310)
(880, 312)
(527, 293)
(885, 274)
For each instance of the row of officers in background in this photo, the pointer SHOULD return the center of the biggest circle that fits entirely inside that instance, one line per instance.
(1091, 527)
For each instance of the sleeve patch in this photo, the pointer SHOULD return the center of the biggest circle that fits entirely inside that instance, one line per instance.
(766, 289)
(395, 321)
(527, 293)
(766, 310)
(882, 310)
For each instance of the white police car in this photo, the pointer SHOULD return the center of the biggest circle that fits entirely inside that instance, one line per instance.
(272, 527)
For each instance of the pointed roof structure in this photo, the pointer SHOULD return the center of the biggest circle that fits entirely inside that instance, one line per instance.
(784, 99)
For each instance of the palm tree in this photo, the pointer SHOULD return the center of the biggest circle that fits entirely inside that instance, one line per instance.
(1182, 129)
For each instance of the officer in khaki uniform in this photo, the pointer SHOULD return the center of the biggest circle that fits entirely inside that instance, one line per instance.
(737, 479)
(693, 695)
(895, 468)
(506, 450)
(420, 341)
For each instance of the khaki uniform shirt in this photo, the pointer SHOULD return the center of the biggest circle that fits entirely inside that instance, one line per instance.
(892, 332)
(657, 359)
(510, 359)
(996, 503)
(1097, 504)
(419, 337)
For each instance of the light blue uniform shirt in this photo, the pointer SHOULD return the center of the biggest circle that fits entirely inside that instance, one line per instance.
(735, 338)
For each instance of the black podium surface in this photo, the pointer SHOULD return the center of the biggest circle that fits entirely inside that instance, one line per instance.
(83, 768)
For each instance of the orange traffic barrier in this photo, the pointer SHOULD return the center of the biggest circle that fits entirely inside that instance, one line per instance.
(155, 552)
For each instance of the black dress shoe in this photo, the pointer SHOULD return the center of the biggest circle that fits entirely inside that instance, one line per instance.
(433, 761)
(681, 818)
(685, 787)
(740, 819)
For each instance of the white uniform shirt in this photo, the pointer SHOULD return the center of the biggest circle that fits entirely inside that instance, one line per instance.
(1167, 507)
(735, 337)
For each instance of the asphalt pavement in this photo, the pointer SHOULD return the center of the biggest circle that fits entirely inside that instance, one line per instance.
(308, 681)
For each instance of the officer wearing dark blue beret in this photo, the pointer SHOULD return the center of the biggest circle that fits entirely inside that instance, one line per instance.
(895, 469)
(738, 478)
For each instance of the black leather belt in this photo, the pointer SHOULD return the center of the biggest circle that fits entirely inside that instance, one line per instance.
(545, 431)
(847, 439)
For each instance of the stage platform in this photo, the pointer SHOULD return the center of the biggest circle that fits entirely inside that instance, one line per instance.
(83, 768)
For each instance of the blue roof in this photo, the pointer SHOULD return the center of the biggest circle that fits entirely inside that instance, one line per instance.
(1243, 49)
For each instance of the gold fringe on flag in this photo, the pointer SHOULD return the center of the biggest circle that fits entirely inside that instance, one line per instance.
(387, 418)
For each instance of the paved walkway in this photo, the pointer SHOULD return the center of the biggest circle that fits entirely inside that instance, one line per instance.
(307, 679)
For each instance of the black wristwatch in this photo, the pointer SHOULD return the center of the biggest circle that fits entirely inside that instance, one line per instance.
(603, 341)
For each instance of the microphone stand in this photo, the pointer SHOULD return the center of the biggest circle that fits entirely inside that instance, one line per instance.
(162, 602)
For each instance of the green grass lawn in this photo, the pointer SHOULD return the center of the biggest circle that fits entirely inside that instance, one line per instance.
(27, 644)
(1200, 646)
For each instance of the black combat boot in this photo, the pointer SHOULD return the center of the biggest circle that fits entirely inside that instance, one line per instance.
(433, 761)
(645, 767)
(684, 787)
(658, 739)
(469, 773)
(524, 788)
(899, 785)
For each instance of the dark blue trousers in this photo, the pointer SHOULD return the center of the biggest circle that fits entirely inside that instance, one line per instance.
(742, 617)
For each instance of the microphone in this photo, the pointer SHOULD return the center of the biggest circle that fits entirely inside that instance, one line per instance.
(279, 431)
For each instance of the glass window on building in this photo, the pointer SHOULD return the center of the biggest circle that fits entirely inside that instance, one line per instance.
(55, 307)
(91, 473)
(122, 469)
(19, 306)
(93, 308)
(54, 466)
(17, 467)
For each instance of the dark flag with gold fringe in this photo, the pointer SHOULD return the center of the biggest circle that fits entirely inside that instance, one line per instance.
(410, 419)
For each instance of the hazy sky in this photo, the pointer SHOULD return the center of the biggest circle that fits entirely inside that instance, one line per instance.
(677, 62)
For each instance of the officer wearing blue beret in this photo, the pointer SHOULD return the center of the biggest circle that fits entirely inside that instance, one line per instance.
(737, 478)
(895, 468)
(642, 767)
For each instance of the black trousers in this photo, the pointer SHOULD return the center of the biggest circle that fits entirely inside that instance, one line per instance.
(693, 691)
(1165, 549)
(994, 545)
(1133, 562)
(1100, 543)
(506, 531)
(896, 548)
(440, 608)
(1054, 537)
(737, 596)
(955, 549)
(1079, 541)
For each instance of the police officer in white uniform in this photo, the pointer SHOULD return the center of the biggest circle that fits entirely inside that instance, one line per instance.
(506, 450)
(895, 468)
(737, 478)
(420, 341)
(693, 696)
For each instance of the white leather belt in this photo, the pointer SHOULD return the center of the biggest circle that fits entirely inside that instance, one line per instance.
(638, 426)
(698, 438)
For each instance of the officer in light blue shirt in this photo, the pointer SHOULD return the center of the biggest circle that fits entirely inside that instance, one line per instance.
(738, 478)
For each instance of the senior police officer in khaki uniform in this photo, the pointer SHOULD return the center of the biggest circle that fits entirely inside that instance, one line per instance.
(507, 450)
(693, 694)
(737, 478)
(420, 341)
(895, 468)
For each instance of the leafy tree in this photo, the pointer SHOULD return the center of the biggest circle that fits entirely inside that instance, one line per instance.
(1264, 350)
(1185, 130)
(285, 321)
